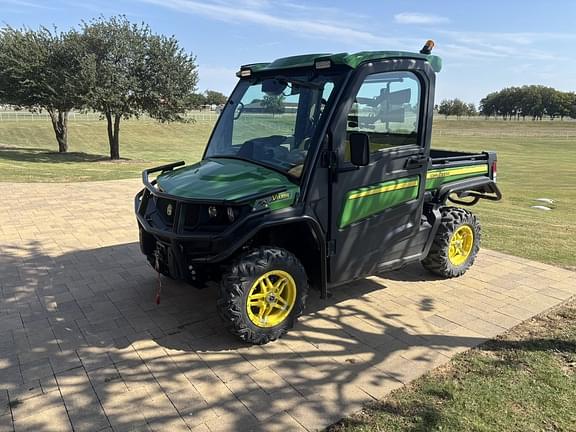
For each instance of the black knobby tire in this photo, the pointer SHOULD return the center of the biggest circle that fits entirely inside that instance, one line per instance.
(236, 284)
(437, 261)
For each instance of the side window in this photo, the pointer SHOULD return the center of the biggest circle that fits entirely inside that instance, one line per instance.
(387, 109)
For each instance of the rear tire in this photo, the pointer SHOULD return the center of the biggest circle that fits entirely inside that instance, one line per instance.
(455, 245)
(262, 294)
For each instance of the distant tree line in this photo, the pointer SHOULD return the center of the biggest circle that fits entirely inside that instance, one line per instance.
(534, 101)
(456, 107)
(209, 97)
(111, 66)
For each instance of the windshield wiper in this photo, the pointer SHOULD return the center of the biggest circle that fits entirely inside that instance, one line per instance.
(255, 162)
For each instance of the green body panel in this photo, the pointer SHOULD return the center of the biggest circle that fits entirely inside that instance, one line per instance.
(365, 202)
(226, 179)
(350, 60)
(437, 177)
(281, 200)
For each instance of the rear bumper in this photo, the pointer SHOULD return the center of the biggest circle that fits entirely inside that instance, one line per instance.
(476, 188)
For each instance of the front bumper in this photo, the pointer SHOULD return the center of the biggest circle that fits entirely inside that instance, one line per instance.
(177, 237)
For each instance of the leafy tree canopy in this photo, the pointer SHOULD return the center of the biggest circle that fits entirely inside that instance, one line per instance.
(273, 104)
(44, 69)
(456, 107)
(533, 101)
(215, 98)
(136, 72)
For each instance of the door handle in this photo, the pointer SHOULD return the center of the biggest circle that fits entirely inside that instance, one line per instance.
(416, 162)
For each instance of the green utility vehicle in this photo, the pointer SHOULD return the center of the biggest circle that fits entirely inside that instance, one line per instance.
(318, 172)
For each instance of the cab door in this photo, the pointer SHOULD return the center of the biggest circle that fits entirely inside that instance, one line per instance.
(377, 209)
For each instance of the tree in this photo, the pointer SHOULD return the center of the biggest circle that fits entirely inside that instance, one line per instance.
(196, 100)
(136, 72)
(44, 70)
(215, 98)
(445, 107)
(456, 107)
(273, 104)
(535, 101)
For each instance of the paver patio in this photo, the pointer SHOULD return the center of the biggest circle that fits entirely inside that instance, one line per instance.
(84, 347)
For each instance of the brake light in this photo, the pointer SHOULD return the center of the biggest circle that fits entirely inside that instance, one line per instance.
(494, 171)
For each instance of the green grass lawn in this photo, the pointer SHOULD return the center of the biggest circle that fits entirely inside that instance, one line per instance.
(524, 380)
(28, 150)
(536, 160)
(529, 167)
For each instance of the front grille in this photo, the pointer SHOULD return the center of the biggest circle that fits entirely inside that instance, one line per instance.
(191, 216)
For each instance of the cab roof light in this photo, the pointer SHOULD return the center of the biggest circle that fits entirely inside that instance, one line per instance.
(427, 48)
(323, 64)
(245, 72)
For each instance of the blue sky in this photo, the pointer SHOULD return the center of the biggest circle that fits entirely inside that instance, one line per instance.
(485, 45)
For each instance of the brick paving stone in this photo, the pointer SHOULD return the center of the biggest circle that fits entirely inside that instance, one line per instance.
(6, 424)
(33, 407)
(83, 346)
(27, 391)
(53, 419)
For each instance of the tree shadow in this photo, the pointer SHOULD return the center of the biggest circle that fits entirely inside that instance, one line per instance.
(38, 155)
(87, 321)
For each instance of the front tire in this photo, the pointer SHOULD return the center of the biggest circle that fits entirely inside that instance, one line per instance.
(262, 294)
(455, 245)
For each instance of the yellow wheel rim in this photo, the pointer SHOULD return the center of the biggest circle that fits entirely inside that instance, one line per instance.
(271, 298)
(461, 244)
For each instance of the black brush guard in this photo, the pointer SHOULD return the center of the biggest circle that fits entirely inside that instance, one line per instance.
(178, 250)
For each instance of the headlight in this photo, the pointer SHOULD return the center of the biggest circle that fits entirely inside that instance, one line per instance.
(212, 211)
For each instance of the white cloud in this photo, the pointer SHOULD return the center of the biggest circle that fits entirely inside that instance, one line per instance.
(419, 18)
(256, 12)
(518, 38)
(25, 3)
(524, 45)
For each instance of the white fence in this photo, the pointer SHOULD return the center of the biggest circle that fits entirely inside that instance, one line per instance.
(89, 116)
(503, 133)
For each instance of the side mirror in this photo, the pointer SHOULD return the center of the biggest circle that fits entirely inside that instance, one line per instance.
(359, 149)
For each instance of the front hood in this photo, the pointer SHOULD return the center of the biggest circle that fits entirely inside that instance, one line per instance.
(222, 179)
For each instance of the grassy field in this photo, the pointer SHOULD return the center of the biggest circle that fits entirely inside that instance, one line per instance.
(536, 160)
(529, 168)
(28, 149)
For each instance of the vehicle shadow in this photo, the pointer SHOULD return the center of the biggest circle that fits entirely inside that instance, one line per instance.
(413, 272)
(91, 315)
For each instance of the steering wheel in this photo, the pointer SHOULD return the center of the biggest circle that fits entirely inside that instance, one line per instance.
(265, 148)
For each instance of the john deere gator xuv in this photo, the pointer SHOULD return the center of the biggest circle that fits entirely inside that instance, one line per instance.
(318, 172)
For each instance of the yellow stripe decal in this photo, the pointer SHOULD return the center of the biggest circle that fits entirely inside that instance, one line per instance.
(457, 171)
(382, 189)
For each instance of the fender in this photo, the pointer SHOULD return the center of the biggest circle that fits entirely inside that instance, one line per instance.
(273, 222)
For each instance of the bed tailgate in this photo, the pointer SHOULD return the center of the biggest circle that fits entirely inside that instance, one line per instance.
(463, 178)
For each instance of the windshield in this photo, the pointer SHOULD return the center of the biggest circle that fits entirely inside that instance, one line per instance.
(272, 121)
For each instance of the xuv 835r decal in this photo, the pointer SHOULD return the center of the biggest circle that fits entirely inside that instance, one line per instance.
(370, 200)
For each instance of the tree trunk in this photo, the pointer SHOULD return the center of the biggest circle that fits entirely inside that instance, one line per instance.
(114, 134)
(60, 125)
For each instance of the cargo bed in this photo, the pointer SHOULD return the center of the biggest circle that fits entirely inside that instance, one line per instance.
(454, 175)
